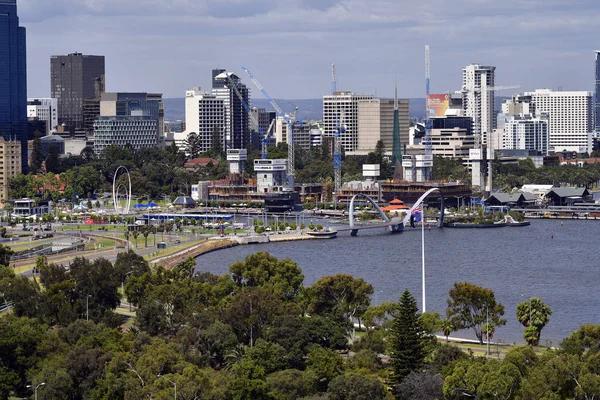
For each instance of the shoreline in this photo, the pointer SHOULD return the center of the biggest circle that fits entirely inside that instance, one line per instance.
(216, 244)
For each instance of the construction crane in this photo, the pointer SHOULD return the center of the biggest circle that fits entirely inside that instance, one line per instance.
(337, 140)
(427, 142)
(289, 119)
(264, 135)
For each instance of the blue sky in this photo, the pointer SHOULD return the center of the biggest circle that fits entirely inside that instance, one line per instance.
(169, 46)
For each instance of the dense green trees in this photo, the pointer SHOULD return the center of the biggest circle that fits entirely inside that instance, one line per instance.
(471, 306)
(246, 335)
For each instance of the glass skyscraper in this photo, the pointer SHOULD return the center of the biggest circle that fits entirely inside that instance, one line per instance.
(13, 78)
(75, 78)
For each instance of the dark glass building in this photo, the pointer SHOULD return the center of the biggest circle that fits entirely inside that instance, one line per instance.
(237, 134)
(75, 78)
(13, 78)
(452, 122)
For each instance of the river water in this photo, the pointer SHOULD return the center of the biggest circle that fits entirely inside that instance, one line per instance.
(517, 263)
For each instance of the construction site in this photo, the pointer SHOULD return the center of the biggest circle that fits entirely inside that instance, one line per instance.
(466, 116)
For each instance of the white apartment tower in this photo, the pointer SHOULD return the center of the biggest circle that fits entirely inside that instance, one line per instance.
(342, 108)
(478, 98)
(204, 116)
(570, 118)
(523, 132)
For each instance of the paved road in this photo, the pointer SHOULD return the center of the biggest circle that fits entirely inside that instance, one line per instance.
(111, 252)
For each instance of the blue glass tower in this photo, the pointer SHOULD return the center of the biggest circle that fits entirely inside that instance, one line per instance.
(13, 78)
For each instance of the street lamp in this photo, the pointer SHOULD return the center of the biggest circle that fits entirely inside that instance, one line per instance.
(123, 288)
(87, 307)
(35, 388)
(487, 324)
(174, 384)
(529, 322)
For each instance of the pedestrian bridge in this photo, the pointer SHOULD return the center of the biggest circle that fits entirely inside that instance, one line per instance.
(395, 224)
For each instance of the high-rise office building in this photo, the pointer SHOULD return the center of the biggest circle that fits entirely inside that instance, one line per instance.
(237, 135)
(342, 108)
(478, 98)
(204, 116)
(75, 78)
(597, 97)
(376, 122)
(13, 78)
(129, 119)
(570, 116)
(43, 110)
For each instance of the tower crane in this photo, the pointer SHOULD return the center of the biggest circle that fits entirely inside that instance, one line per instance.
(264, 135)
(427, 144)
(289, 119)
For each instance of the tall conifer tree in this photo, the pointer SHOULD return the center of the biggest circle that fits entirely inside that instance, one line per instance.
(407, 338)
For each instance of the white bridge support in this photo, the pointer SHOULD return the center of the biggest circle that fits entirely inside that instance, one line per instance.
(420, 201)
(354, 231)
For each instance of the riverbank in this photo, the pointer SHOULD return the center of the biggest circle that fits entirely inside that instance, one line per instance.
(220, 243)
(168, 262)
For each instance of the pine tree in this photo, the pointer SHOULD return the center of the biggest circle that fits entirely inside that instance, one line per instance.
(407, 338)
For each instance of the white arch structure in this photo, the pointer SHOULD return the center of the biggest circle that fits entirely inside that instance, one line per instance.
(420, 201)
(373, 203)
(115, 191)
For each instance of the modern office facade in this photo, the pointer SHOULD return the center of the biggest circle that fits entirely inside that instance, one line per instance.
(129, 119)
(526, 133)
(376, 122)
(75, 78)
(570, 118)
(452, 142)
(205, 116)
(342, 108)
(305, 135)
(43, 110)
(237, 135)
(478, 98)
(13, 78)
(261, 120)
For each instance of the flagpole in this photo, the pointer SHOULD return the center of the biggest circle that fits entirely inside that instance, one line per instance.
(423, 254)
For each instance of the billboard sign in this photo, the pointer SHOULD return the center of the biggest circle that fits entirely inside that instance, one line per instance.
(437, 104)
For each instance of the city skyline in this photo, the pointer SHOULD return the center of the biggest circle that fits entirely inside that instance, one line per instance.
(170, 46)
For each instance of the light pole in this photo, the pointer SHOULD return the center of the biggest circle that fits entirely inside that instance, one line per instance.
(174, 384)
(35, 388)
(251, 325)
(487, 324)
(123, 288)
(528, 322)
(423, 254)
(87, 307)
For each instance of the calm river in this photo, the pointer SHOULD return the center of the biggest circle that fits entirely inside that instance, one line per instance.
(516, 263)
